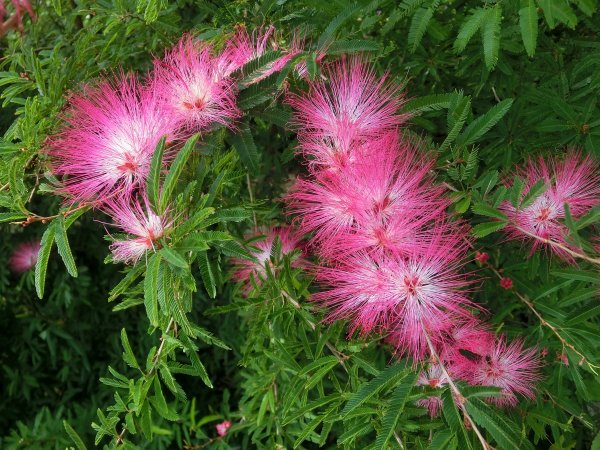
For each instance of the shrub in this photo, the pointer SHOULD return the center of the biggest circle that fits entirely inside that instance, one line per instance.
(365, 225)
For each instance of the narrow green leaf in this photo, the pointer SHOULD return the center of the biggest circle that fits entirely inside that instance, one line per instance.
(244, 145)
(482, 124)
(62, 244)
(456, 118)
(484, 210)
(153, 183)
(418, 26)
(528, 22)
(41, 266)
(392, 415)
(454, 419)
(468, 29)
(173, 258)
(328, 34)
(483, 229)
(208, 277)
(127, 281)
(128, 355)
(490, 34)
(74, 436)
(570, 223)
(11, 216)
(175, 171)
(503, 430)
(151, 278)
(160, 403)
(352, 46)
(441, 440)
(536, 190)
(582, 315)
(367, 390)
(589, 218)
(427, 103)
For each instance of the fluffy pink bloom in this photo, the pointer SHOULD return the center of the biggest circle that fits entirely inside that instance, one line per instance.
(434, 378)
(24, 256)
(354, 105)
(401, 294)
(246, 269)
(223, 427)
(142, 225)
(191, 88)
(243, 48)
(509, 367)
(379, 202)
(108, 140)
(574, 181)
(462, 346)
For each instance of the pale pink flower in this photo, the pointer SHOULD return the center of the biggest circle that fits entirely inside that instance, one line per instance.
(143, 226)
(24, 256)
(575, 180)
(243, 48)
(262, 250)
(510, 367)
(223, 427)
(191, 88)
(379, 202)
(109, 137)
(434, 378)
(463, 345)
(401, 294)
(354, 105)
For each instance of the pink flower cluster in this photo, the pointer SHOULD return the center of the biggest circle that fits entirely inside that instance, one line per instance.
(573, 181)
(391, 256)
(112, 127)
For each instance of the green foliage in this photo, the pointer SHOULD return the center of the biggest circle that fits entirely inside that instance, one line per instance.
(179, 347)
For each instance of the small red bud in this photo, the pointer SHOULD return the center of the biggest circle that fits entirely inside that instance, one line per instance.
(506, 283)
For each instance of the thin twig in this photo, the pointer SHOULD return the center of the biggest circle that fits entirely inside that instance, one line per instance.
(252, 201)
(547, 324)
(160, 347)
(461, 399)
(558, 245)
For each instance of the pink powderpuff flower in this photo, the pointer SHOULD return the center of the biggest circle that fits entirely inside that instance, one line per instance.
(354, 105)
(509, 367)
(191, 88)
(433, 377)
(463, 345)
(575, 180)
(223, 427)
(246, 269)
(243, 48)
(108, 140)
(423, 291)
(377, 203)
(24, 256)
(141, 223)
